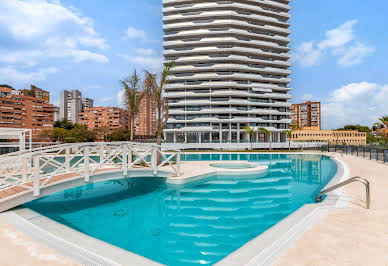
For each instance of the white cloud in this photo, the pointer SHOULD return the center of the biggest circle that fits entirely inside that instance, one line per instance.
(339, 36)
(355, 54)
(132, 33)
(36, 19)
(45, 29)
(145, 58)
(355, 103)
(144, 51)
(120, 98)
(10, 75)
(338, 42)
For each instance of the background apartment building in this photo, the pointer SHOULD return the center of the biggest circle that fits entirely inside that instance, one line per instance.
(330, 136)
(232, 69)
(37, 93)
(145, 122)
(307, 115)
(56, 114)
(20, 110)
(72, 104)
(103, 119)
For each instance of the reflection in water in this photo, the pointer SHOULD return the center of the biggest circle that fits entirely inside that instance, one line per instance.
(197, 223)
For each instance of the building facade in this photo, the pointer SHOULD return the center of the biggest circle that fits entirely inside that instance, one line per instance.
(103, 120)
(20, 111)
(72, 104)
(87, 103)
(330, 136)
(37, 93)
(306, 115)
(145, 122)
(232, 69)
(56, 114)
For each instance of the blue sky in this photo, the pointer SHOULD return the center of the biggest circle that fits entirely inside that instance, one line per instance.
(339, 50)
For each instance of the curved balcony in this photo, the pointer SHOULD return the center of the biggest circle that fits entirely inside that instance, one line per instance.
(219, 50)
(229, 58)
(229, 67)
(230, 102)
(256, 10)
(234, 22)
(223, 84)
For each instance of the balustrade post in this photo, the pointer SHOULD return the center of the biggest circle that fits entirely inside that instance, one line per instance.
(24, 170)
(36, 176)
(86, 164)
(154, 160)
(102, 151)
(125, 159)
(178, 163)
(67, 159)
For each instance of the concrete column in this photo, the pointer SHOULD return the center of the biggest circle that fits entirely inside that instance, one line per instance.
(238, 132)
(230, 132)
(185, 137)
(200, 137)
(220, 136)
(174, 137)
(210, 136)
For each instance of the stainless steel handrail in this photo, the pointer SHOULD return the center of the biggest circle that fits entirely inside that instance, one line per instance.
(318, 198)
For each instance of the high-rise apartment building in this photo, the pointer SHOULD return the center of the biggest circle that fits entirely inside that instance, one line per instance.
(20, 111)
(56, 114)
(232, 69)
(306, 115)
(145, 122)
(87, 103)
(71, 104)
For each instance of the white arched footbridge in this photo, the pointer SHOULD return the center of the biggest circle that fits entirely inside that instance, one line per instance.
(27, 175)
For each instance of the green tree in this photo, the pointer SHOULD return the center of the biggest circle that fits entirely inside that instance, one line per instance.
(251, 133)
(80, 133)
(266, 132)
(102, 132)
(151, 85)
(119, 134)
(56, 134)
(382, 128)
(65, 124)
(132, 98)
(358, 128)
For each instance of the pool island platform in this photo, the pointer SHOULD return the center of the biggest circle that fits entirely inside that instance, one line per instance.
(342, 236)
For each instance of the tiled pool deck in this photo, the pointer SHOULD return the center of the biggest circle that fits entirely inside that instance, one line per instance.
(350, 236)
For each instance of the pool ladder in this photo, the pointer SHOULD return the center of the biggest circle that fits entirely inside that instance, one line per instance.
(351, 180)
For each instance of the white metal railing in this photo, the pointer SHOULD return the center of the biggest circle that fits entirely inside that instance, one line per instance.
(36, 169)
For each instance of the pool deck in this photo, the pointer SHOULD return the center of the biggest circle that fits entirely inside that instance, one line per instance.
(19, 249)
(353, 235)
(349, 236)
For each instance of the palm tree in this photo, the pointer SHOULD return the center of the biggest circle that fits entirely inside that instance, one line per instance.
(289, 136)
(382, 128)
(251, 132)
(289, 133)
(156, 90)
(265, 131)
(132, 98)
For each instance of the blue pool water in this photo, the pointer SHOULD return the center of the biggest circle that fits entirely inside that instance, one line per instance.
(193, 224)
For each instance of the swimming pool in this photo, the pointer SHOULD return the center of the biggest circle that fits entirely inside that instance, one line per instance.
(196, 223)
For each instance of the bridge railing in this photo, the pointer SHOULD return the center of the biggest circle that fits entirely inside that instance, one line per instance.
(36, 169)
